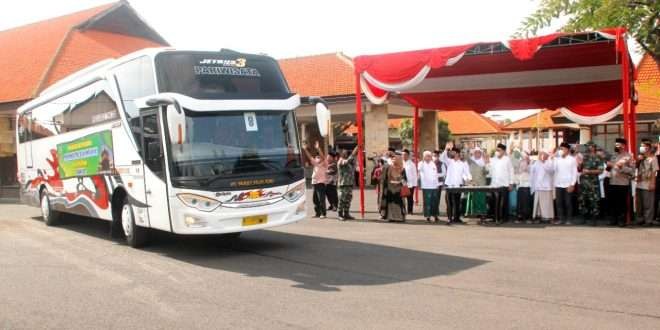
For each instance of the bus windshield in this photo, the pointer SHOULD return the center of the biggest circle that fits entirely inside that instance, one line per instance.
(235, 143)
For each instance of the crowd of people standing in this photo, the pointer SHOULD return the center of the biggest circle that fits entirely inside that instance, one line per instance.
(561, 185)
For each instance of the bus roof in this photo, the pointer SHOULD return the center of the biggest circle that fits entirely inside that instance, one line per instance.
(98, 71)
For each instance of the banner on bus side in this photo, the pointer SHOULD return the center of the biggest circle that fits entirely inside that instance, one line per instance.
(86, 156)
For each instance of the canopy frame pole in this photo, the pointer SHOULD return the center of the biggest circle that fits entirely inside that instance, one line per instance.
(629, 129)
(416, 147)
(360, 139)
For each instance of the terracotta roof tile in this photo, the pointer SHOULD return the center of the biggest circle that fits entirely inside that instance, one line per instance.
(648, 85)
(28, 50)
(88, 47)
(468, 122)
(319, 75)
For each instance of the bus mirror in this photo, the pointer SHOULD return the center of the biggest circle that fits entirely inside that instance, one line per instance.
(176, 122)
(323, 118)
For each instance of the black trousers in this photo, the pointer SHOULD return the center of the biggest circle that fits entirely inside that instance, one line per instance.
(564, 204)
(331, 193)
(454, 206)
(525, 202)
(501, 204)
(411, 200)
(319, 199)
(620, 203)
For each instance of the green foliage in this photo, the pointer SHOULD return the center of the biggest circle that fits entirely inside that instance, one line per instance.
(406, 132)
(444, 134)
(640, 17)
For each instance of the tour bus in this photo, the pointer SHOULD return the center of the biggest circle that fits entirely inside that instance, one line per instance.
(187, 142)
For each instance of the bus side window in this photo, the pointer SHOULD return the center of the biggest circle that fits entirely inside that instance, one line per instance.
(151, 145)
(23, 128)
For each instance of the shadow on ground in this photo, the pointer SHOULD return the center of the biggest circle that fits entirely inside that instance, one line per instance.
(311, 262)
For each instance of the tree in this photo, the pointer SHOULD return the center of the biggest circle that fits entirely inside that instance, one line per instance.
(640, 17)
(406, 132)
(444, 134)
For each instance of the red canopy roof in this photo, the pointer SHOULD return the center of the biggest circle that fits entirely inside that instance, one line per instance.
(585, 75)
(580, 72)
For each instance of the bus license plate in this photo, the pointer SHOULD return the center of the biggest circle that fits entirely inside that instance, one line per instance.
(255, 220)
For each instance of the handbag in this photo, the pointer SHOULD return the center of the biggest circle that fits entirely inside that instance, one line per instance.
(405, 191)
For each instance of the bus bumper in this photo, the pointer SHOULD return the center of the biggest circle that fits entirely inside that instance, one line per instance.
(223, 220)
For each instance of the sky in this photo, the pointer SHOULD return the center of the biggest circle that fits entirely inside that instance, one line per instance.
(287, 28)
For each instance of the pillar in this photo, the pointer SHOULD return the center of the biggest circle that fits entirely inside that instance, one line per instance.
(585, 134)
(376, 132)
(428, 131)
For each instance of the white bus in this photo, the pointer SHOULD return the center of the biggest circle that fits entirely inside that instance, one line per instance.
(181, 141)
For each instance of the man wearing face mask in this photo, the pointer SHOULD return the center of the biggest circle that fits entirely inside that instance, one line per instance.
(621, 173)
(646, 174)
(502, 177)
(566, 175)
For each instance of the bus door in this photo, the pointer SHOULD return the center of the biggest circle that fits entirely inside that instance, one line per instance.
(154, 170)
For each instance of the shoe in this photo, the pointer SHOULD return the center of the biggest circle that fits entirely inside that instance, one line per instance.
(348, 216)
(428, 220)
(322, 217)
(436, 219)
(316, 216)
(448, 223)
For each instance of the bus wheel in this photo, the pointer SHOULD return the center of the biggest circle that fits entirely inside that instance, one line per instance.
(50, 216)
(136, 236)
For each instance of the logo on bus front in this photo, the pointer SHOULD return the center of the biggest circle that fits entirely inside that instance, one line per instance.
(237, 63)
(253, 195)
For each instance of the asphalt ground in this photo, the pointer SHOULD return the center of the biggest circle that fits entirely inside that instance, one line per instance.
(329, 274)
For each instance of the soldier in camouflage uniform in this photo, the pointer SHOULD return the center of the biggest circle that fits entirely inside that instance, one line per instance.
(589, 198)
(345, 180)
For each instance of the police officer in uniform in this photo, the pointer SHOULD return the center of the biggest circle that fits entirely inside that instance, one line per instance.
(589, 198)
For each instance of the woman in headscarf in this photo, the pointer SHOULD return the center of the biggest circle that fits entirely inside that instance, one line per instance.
(476, 201)
(391, 181)
(524, 193)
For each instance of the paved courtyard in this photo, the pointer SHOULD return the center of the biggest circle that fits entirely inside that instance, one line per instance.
(329, 274)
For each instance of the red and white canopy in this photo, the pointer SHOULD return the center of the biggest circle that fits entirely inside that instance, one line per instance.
(581, 74)
(586, 75)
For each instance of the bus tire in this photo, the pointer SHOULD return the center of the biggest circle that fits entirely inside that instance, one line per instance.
(50, 216)
(136, 236)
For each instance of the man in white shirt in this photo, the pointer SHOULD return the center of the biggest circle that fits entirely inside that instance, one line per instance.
(411, 177)
(458, 173)
(502, 177)
(428, 175)
(541, 185)
(566, 175)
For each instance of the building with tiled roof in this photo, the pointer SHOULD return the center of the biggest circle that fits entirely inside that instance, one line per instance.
(538, 131)
(469, 127)
(332, 77)
(326, 75)
(36, 55)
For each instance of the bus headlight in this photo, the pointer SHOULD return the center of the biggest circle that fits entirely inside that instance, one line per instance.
(199, 202)
(295, 193)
